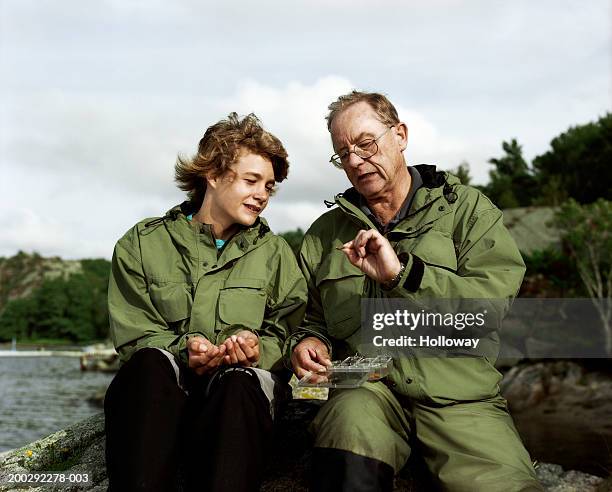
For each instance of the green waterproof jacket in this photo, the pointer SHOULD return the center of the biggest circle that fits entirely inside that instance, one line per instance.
(168, 283)
(454, 245)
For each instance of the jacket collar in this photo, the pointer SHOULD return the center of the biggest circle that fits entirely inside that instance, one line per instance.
(438, 186)
(182, 230)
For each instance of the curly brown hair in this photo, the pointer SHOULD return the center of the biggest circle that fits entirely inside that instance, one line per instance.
(384, 109)
(220, 147)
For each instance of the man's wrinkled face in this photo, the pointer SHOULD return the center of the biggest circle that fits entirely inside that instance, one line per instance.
(376, 174)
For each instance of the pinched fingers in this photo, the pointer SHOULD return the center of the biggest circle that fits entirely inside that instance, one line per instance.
(367, 242)
(360, 242)
(350, 252)
(364, 242)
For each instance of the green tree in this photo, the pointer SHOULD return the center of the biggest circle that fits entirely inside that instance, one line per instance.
(16, 319)
(50, 313)
(511, 182)
(551, 272)
(79, 311)
(578, 164)
(588, 236)
(97, 272)
(73, 308)
(294, 238)
(462, 171)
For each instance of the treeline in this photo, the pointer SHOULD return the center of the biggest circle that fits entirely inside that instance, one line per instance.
(574, 176)
(576, 166)
(66, 308)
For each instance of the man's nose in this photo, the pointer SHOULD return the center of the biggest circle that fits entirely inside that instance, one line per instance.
(354, 159)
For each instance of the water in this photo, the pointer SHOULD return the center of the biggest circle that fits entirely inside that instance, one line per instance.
(41, 395)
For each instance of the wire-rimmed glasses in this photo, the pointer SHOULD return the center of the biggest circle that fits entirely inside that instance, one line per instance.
(364, 149)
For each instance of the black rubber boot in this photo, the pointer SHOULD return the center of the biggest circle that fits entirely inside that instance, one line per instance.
(335, 470)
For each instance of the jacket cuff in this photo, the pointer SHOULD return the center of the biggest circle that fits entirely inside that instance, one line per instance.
(412, 276)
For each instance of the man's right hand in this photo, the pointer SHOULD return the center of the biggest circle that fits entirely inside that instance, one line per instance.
(203, 355)
(310, 355)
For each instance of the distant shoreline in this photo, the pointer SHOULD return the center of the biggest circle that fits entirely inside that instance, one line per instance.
(51, 345)
(52, 349)
(41, 353)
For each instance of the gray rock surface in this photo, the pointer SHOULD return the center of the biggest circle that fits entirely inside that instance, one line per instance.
(79, 449)
(555, 479)
(563, 412)
(527, 385)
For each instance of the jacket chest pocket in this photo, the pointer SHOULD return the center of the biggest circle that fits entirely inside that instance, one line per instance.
(341, 286)
(434, 247)
(242, 301)
(171, 298)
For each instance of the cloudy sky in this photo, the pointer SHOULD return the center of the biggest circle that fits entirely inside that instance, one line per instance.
(97, 98)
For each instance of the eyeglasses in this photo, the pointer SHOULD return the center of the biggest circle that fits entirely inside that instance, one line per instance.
(364, 149)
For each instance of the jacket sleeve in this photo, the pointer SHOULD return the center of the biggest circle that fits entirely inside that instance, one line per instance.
(284, 312)
(309, 259)
(489, 264)
(135, 323)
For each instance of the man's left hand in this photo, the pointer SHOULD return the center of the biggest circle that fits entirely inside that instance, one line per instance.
(372, 253)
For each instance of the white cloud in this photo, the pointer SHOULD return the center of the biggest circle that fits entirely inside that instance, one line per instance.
(102, 161)
(97, 100)
(25, 229)
(425, 143)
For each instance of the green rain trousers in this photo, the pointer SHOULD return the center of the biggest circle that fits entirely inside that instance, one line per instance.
(454, 245)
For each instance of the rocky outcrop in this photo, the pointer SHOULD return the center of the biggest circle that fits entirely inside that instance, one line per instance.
(555, 479)
(563, 412)
(80, 449)
(21, 274)
(531, 229)
(529, 385)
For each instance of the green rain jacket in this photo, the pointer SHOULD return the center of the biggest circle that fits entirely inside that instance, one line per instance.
(169, 283)
(454, 245)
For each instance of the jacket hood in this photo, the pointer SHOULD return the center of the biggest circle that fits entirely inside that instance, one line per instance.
(432, 178)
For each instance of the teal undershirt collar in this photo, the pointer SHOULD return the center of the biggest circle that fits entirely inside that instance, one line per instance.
(218, 242)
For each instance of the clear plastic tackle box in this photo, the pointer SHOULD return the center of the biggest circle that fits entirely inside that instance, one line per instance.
(351, 372)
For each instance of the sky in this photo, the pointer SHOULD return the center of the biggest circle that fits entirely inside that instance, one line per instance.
(97, 99)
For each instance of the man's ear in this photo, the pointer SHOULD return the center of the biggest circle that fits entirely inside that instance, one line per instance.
(401, 134)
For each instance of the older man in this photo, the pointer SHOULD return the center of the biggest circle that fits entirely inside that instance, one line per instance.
(412, 233)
